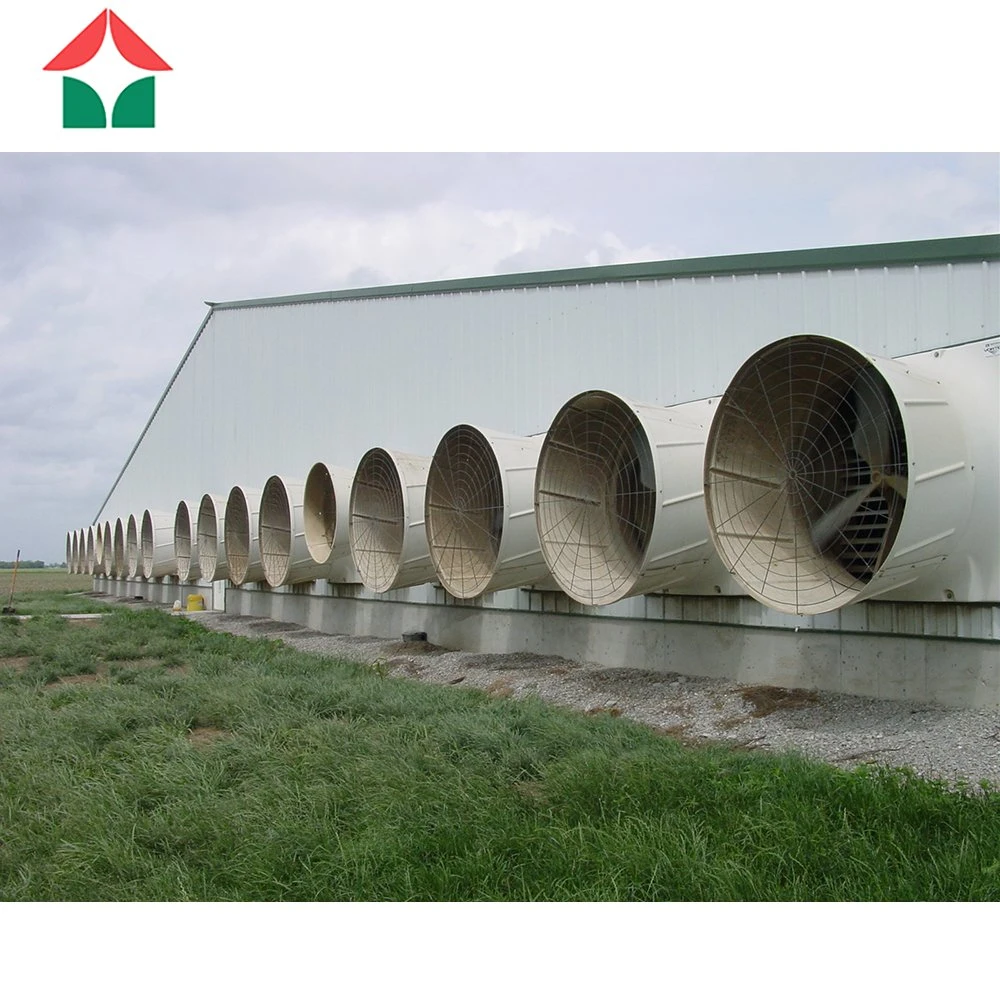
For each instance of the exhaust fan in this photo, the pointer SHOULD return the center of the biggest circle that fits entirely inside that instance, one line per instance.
(832, 476)
(387, 535)
(481, 512)
(211, 537)
(156, 545)
(185, 545)
(132, 546)
(326, 509)
(283, 550)
(241, 527)
(619, 499)
(120, 566)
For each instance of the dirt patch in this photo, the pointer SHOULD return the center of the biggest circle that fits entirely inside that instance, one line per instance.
(144, 664)
(499, 689)
(512, 661)
(84, 622)
(18, 663)
(270, 626)
(202, 736)
(766, 700)
(77, 679)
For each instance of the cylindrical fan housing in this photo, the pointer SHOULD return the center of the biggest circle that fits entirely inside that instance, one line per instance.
(212, 538)
(74, 558)
(241, 534)
(185, 544)
(387, 536)
(88, 565)
(326, 517)
(480, 510)
(99, 549)
(156, 544)
(619, 499)
(108, 561)
(120, 564)
(283, 550)
(132, 553)
(832, 476)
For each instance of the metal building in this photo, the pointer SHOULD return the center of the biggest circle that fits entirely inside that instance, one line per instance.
(272, 386)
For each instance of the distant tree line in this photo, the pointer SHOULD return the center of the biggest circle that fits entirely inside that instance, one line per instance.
(30, 564)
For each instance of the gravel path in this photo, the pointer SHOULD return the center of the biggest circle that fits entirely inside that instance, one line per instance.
(952, 744)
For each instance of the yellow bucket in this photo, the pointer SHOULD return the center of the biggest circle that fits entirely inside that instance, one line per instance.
(195, 602)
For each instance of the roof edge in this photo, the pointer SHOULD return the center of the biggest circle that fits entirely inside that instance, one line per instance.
(945, 250)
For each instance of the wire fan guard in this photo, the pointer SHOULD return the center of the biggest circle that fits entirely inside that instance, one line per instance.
(387, 535)
(211, 538)
(242, 548)
(132, 545)
(810, 469)
(185, 544)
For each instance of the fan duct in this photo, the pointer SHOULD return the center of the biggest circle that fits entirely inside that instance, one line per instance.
(108, 561)
(185, 544)
(242, 546)
(156, 545)
(481, 512)
(283, 550)
(132, 546)
(99, 549)
(619, 499)
(211, 537)
(326, 519)
(118, 559)
(387, 536)
(832, 476)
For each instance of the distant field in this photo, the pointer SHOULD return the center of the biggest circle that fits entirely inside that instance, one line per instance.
(39, 590)
(50, 581)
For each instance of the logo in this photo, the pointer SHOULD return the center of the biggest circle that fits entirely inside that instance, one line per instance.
(135, 105)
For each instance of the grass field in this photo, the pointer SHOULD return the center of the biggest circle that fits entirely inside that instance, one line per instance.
(146, 758)
(38, 590)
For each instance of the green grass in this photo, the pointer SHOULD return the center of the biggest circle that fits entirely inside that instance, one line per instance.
(183, 764)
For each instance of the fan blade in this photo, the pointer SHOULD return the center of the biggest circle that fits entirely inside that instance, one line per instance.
(897, 483)
(872, 437)
(829, 525)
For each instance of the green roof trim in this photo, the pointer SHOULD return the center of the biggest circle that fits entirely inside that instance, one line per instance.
(940, 251)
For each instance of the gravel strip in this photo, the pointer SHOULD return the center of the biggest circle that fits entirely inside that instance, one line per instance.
(956, 745)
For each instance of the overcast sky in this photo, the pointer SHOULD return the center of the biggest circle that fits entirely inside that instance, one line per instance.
(106, 260)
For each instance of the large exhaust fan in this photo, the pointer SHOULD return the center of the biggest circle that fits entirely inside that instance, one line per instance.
(156, 544)
(211, 537)
(185, 544)
(132, 546)
(326, 519)
(387, 535)
(832, 476)
(619, 499)
(108, 562)
(121, 568)
(283, 550)
(99, 549)
(481, 512)
(242, 543)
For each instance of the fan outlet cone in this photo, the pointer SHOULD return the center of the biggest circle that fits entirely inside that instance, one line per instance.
(283, 549)
(832, 476)
(211, 537)
(387, 536)
(326, 517)
(241, 533)
(185, 544)
(156, 544)
(480, 512)
(132, 554)
(619, 499)
(120, 567)
(108, 560)
(99, 549)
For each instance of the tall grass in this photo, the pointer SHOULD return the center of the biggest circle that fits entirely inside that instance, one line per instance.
(149, 759)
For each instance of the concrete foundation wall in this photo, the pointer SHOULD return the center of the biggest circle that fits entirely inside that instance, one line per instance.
(945, 671)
